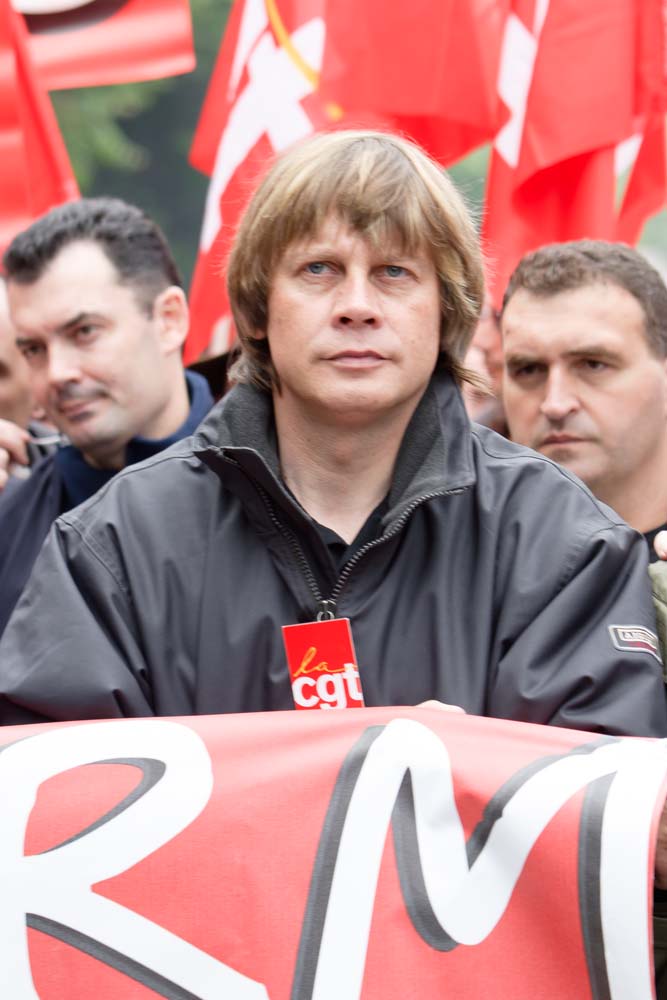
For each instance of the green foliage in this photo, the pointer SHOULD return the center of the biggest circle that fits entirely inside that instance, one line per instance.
(90, 121)
(133, 140)
(469, 175)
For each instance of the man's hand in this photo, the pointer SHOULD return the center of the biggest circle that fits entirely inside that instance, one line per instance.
(441, 705)
(661, 852)
(660, 544)
(13, 450)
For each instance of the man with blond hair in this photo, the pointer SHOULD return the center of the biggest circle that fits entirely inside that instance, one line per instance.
(341, 479)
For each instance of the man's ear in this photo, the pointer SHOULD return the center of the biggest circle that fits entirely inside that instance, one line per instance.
(663, 365)
(172, 317)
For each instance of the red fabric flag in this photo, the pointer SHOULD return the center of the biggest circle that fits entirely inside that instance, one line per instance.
(262, 98)
(553, 167)
(93, 42)
(429, 71)
(384, 852)
(646, 192)
(283, 74)
(35, 173)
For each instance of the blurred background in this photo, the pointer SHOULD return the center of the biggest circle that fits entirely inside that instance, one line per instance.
(132, 141)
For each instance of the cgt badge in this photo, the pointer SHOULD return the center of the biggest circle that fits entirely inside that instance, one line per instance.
(323, 665)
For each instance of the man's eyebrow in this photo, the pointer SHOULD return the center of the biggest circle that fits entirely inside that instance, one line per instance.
(593, 350)
(329, 251)
(75, 321)
(311, 250)
(597, 351)
(522, 359)
(62, 328)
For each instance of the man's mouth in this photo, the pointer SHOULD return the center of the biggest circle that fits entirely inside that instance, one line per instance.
(361, 357)
(557, 439)
(76, 407)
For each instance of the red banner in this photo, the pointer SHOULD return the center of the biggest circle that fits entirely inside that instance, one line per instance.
(35, 172)
(326, 855)
(86, 43)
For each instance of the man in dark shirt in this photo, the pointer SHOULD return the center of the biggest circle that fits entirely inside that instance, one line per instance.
(341, 479)
(100, 317)
(585, 338)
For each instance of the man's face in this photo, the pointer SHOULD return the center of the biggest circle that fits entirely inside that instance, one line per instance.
(96, 358)
(353, 332)
(583, 387)
(487, 339)
(15, 393)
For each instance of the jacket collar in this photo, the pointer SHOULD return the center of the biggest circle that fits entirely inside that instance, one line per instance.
(435, 456)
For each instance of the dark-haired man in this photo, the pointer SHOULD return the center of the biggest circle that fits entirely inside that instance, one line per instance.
(585, 339)
(341, 479)
(100, 317)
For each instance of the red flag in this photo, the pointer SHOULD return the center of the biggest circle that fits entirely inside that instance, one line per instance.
(35, 173)
(553, 167)
(283, 74)
(257, 103)
(429, 71)
(93, 42)
(646, 192)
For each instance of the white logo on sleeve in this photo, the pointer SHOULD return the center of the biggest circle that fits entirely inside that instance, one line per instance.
(635, 639)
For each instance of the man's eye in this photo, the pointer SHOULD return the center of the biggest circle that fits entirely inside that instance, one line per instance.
(524, 371)
(31, 351)
(85, 331)
(317, 267)
(529, 376)
(395, 271)
(593, 365)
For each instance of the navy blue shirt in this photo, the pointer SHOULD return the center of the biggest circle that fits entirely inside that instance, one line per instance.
(62, 481)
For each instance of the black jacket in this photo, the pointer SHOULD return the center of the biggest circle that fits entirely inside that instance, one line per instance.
(493, 586)
(61, 480)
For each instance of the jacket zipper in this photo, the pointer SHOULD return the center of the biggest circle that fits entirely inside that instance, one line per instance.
(327, 608)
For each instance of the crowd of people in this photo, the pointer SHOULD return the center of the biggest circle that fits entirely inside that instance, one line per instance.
(341, 475)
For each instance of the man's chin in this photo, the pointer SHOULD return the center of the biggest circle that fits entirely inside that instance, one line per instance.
(101, 448)
(572, 459)
(82, 435)
(564, 451)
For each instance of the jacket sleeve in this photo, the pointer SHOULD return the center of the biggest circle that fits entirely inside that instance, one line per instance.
(581, 651)
(76, 599)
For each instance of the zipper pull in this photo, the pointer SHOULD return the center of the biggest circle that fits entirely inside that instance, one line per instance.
(327, 611)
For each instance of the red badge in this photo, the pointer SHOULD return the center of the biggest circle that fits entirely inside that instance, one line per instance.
(323, 665)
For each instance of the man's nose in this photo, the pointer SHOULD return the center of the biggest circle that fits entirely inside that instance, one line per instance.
(63, 364)
(357, 304)
(560, 398)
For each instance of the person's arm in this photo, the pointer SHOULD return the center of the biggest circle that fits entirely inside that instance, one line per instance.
(581, 651)
(13, 449)
(71, 649)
